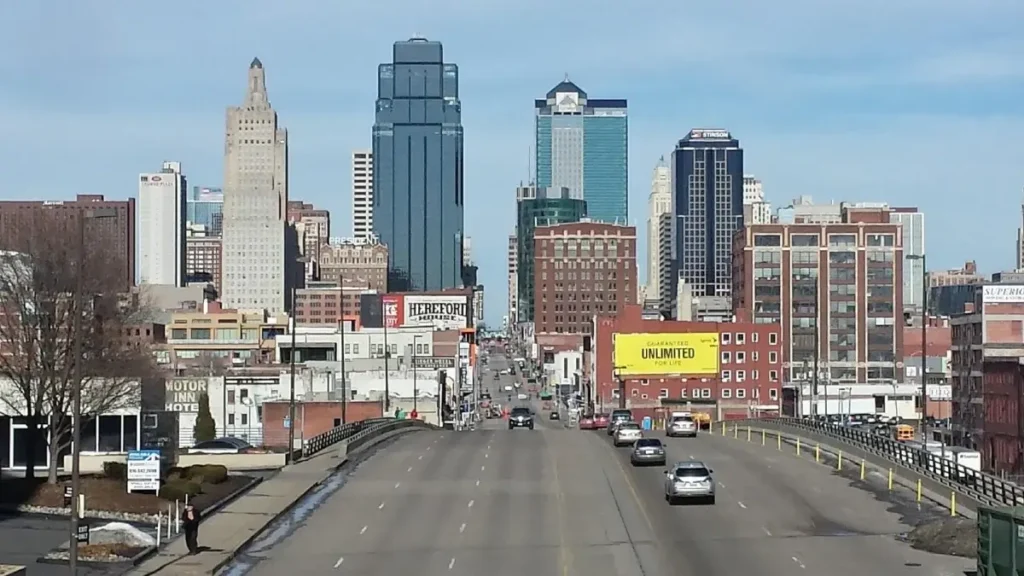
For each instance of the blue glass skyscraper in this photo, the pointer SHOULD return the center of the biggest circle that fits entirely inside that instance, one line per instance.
(417, 174)
(583, 145)
(707, 205)
(205, 206)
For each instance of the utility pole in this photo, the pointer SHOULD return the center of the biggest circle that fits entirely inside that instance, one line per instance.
(817, 347)
(387, 354)
(622, 386)
(415, 385)
(291, 396)
(344, 386)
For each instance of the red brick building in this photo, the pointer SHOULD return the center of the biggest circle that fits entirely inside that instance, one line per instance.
(748, 380)
(312, 418)
(988, 378)
(582, 269)
(113, 237)
(845, 277)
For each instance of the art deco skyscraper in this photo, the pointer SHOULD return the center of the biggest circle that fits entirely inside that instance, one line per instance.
(659, 202)
(256, 264)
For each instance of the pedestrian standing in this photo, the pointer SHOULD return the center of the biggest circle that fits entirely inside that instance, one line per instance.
(190, 519)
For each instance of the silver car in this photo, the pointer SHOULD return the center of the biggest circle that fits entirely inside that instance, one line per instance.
(627, 433)
(647, 451)
(689, 480)
(683, 426)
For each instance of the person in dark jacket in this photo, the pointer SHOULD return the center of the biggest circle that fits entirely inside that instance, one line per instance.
(190, 521)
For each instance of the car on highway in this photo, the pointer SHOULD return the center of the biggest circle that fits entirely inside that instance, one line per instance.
(627, 433)
(520, 417)
(687, 480)
(554, 416)
(507, 388)
(682, 425)
(618, 417)
(647, 451)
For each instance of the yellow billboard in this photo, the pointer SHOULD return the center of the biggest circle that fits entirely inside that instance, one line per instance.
(662, 354)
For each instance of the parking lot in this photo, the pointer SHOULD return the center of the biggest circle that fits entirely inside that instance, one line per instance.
(24, 538)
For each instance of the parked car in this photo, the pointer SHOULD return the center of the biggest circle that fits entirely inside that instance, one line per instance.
(587, 423)
(627, 433)
(600, 421)
(224, 445)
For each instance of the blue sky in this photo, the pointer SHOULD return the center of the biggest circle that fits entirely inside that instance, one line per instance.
(913, 102)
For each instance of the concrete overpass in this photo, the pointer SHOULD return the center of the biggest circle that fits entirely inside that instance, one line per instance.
(565, 502)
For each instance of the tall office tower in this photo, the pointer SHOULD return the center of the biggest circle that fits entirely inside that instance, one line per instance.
(467, 250)
(914, 274)
(707, 188)
(755, 209)
(362, 194)
(313, 230)
(513, 280)
(418, 199)
(162, 222)
(258, 264)
(539, 207)
(660, 202)
(582, 144)
(205, 207)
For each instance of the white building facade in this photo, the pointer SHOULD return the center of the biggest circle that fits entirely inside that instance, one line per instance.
(161, 224)
(255, 265)
(513, 280)
(362, 194)
(659, 202)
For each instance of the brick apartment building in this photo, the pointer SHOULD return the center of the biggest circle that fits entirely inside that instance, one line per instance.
(988, 377)
(112, 239)
(748, 379)
(582, 269)
(847, 276)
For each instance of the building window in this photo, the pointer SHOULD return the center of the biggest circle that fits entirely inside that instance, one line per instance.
(773, 338)
(231, 422)
(726, 337)
(740, 338)
(741, 375)
(773, 393)
(643, 396)
(726, 376)
(767, 240)
(773, 357)
(726, 357)
(663, 393)
(803, 240)
(634, 392)
(682, 393)
(706, 393)
(615, 392)
(756, 393)
(726, 393)
(741, 357)
(741, 393)
(773, 376)
(753, 338)
(755, 376)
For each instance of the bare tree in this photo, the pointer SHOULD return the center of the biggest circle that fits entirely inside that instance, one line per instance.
(38, 330)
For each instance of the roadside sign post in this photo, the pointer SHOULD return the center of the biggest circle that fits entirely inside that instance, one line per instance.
(143, 471)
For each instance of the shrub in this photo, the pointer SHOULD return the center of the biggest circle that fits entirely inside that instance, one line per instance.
(179, 489)
(205, 428)
(175, 473)
(115, 470)
(215, 473)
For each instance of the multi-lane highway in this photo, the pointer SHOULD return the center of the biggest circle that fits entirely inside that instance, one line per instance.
(565, 502)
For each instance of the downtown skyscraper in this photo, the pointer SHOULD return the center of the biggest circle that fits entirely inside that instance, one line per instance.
(162, 223)
(582, 144)
(257, 263)
(418, 203)
(707, 201)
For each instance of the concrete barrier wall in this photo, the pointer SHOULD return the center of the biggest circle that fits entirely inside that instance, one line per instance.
(11, 570)
(93, 463)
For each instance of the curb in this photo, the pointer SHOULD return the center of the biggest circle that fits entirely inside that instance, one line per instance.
(291, 505)
(853, 458)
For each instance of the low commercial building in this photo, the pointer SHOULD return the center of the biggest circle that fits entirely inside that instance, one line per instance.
(729, 369)
(215, 337)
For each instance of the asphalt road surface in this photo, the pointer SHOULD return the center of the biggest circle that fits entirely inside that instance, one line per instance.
(563, 502)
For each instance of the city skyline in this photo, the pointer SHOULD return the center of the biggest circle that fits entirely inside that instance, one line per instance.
(117, 123)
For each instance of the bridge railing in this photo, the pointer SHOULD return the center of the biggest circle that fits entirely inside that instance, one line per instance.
(356, 433)
(982, 487)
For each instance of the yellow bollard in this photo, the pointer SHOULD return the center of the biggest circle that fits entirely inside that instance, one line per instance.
(817, 453)
(736, 431)
(862, 471)
(748, 433)
(919, 490)
(763, 435)
(798, 446)
(890, 479)
(779, 437)
(839, 461)
(952, 503)
(723, 428)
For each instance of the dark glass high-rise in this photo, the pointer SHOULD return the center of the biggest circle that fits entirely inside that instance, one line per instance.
(418, 199)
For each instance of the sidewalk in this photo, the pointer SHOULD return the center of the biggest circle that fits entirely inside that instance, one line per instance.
(232, 527)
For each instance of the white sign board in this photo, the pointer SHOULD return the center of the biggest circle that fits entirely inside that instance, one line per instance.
(1002, 294)
(567, 102)
(443, 312)
(940, 391)
(144, 471)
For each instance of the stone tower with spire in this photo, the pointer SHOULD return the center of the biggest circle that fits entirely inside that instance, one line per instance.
(257, 260)
(658, 203)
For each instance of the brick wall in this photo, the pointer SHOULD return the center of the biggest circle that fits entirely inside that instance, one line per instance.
(311, 418)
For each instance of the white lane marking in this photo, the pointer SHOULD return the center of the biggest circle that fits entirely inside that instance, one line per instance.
(462, 528)
(363, 531)
(451, 564)
(691, 457)
(428, 447)
(441, 436)
(487, 455)
(397, 484)
(799, 563)
(766, 531)
(381, 507)
(470, 503)
(720, 485)
(410, 469)
(477, 482)
(421, 457)
(742, 505)
(482, 468)
(338, 563)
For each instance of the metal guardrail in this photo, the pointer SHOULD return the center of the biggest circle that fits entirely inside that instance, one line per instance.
(369, 432)
(982, 487)
(317, 443)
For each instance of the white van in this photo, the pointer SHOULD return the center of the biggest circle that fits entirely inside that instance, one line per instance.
(969, 459)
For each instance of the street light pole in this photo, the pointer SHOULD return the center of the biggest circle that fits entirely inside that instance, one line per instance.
(291, 394)
(415, 386)
(622, 386)
(344, 386)
(817, 347)
(387, 354)
(78, 376)
(922, 424)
